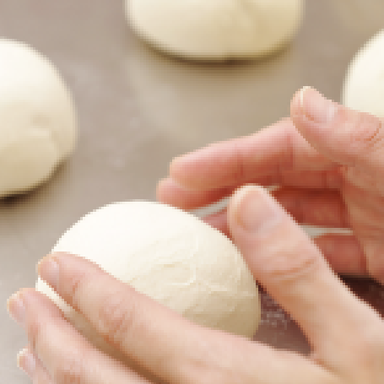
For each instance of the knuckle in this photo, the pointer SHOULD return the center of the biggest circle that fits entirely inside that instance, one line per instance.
(118, 316)
(70, 370)
(35, 334)
(74, 287)
(292, 262)
(239, 171)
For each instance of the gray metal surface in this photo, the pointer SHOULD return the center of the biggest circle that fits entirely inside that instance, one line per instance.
(138, 108)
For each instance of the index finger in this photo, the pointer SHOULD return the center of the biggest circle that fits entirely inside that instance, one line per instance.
(292, 269)
(271, 151)
(128, 320)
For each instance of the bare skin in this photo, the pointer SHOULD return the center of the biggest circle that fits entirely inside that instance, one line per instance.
(339, 172)
(330, 172)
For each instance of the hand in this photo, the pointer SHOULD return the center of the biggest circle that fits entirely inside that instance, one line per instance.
(328, 162)
(346, 335)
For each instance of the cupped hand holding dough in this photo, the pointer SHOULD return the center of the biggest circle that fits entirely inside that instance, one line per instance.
(216, 29)
(363, 88)
(37, 118)
(169, 255)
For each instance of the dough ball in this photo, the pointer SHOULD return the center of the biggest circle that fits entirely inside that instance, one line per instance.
(363, 88)
(216, 29)
(37, 118)
(169, 255)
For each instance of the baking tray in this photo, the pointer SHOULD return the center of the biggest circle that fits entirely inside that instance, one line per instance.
(138, 109)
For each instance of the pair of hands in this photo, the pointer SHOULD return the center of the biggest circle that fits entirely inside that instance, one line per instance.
(328, 162)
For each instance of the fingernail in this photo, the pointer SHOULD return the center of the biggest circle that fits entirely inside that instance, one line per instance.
(315, 106)
(256, 210)
(16, 308)
(48, 270)
(27, 362)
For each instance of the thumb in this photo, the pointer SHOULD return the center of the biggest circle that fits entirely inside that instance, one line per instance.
(346, 136)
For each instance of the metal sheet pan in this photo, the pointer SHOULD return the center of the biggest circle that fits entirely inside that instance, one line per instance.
(139, 108)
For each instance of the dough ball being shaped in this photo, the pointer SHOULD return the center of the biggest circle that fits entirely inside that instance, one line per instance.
(363, 88)
(169, 255)
(216, 29)
(37, 118)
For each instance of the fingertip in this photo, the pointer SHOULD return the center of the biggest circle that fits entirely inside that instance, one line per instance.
(162, 189)
(16, 307)
(26, 361)
(41, 262)
(192, 170)
(169, 192)
(176, 166)
(253, 210)
(297, 101)
(51, 258)
(48, 269)
(343, 135)
(311, 104)
(239, 195)
(236, 202)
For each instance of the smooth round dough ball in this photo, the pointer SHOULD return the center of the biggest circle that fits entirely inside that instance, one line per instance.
(363, 88)
(169, 255)
(216, 29)
(37, 118)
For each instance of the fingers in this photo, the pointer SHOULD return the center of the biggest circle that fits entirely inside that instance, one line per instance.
(347, 137)
(57, 353)
(307, 206)
(343, 253)
(219, 221)
(169, 192)
(32, 366)
(170, 347)
(152, 336)
(274, 151)
(315, 207)
(293, 270)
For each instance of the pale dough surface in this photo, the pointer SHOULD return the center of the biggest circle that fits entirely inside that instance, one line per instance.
(216, 29)
(37, 118)
(363, 88)
(171, 256)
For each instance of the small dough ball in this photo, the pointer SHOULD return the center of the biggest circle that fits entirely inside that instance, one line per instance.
(169, 255)
(37, 118)
(216, 29)
(363, 88)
